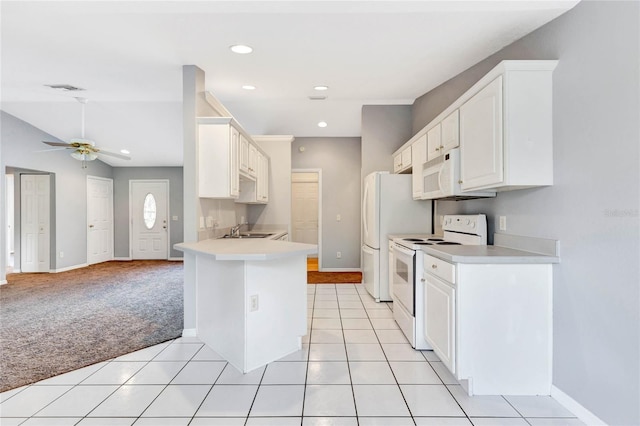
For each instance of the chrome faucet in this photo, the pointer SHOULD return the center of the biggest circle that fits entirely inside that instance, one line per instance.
(235, 230)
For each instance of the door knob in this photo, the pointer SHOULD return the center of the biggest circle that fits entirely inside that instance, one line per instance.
(164, 227)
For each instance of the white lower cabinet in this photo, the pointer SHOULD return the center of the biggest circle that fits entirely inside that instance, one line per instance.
(491, 324)
(440, 319)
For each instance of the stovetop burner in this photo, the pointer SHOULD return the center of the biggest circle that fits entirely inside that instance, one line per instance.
(425, 243)
(448, 243)
(435, 239)
(412, 239)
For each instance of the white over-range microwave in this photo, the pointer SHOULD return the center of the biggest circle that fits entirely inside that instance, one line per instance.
(441, 179)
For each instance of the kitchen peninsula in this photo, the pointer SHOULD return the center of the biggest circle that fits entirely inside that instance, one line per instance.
(251, 297)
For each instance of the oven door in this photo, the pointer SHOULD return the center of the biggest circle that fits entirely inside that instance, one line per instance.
(403, 277)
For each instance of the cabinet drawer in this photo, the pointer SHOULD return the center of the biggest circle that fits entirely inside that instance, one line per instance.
(440, 268)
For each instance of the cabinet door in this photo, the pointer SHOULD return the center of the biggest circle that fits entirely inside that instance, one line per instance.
(433, 142)
(262, 179)
(450, 132)
(481, 156)
(440, 320)
(234, 162)
(253, 159)
(418, 157)
(397, 163)
(244, 154)
(406, 158)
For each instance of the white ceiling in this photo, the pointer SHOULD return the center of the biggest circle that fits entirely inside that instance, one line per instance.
(129, 57)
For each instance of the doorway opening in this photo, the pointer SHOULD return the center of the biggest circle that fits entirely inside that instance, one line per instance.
(306, 211)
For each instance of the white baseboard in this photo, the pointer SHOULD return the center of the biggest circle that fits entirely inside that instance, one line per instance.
(122, 259)
(340, 270)
(175, 259)
(68, 268)
(584, 415)
(189, 332)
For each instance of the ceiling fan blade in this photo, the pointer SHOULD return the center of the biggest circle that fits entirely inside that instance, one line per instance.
(112, 154)
(62, 148)
(58, 144)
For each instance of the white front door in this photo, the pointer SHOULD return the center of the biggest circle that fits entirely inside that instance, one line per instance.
(148, 203)
(99, 219)
(34, 223)
(304, 202)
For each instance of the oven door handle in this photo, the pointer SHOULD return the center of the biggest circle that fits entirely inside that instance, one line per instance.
(405, 251)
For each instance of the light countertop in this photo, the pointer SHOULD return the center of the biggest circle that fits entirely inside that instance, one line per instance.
(246, 248)
(487, 255)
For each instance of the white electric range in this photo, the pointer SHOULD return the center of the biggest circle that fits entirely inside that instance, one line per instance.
(408, 283)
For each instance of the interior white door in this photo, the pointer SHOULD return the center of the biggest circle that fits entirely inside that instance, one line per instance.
(99, 219)
(34, 223)
(10, 206)
(304, 205)
(149, 219)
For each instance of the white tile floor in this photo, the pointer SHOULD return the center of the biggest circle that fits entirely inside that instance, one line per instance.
(355, 368)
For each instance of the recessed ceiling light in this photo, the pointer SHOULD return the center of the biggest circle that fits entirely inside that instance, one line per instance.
(249, 87)
(241, 49)
(322, 124)
(125, 151)
(321, 88)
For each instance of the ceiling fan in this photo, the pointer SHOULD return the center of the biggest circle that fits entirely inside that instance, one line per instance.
(84, 149)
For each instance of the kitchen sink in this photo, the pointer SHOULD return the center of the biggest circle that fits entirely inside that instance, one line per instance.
(249, 235)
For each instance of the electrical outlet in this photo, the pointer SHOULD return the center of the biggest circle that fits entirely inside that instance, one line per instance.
(209, 222)
(61, 254)
(254, 303)
(338, 255)
(201, 222)
(338, 218)
(503, 223)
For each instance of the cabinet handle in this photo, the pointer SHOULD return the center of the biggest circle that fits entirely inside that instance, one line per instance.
(460, 181)
(422, 280)
(441, 146)
(434, 266)
(437, 149)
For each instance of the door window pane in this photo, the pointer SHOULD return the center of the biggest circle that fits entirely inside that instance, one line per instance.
(149, 211)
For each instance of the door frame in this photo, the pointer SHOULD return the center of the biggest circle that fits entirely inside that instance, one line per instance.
(167, 183)
(319, 172)
(111, 205)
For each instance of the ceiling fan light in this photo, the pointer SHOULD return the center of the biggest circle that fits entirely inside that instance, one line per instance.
(81, 156)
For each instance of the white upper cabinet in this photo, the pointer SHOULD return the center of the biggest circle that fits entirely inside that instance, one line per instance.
(481, 160)
(418, 158)
(402, 161)
(503, 125)
(256, 190)
(253, 160)
(263, 179)
(450, 132)
(506, 134)
(218, 158)
(434, 142)
(230, 164)
(244, 155)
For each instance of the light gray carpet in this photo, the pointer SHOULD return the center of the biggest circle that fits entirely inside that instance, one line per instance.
(54, 323)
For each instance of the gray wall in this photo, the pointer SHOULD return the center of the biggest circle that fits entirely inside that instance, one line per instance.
(385, 128)
(121, 178)
(19, 146)
(592, 207)
(339, 159)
